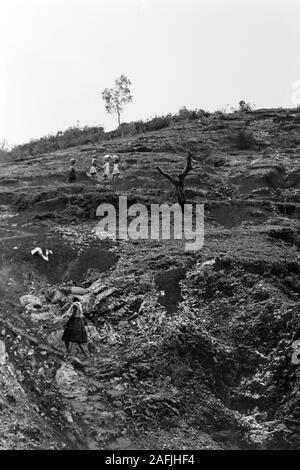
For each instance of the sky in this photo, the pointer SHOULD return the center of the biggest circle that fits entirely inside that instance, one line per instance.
(57, 56)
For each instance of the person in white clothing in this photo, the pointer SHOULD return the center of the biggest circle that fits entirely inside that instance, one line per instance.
(106, 167)
(93, 170)
(116, 171)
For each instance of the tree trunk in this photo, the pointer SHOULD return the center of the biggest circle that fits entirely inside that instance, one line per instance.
(179, 187)
(178, 181)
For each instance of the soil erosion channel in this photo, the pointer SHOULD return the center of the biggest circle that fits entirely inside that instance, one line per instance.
(66, 263)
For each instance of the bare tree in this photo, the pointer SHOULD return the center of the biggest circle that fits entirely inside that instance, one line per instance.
(3, 145)
(179, 180)
(115, 98)
(4, 149)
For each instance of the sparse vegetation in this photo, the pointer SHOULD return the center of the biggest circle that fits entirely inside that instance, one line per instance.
(90, 135)
(70, 138)
(243, 139)
(245, 107)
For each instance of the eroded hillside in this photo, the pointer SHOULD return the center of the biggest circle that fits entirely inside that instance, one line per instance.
(187, 349)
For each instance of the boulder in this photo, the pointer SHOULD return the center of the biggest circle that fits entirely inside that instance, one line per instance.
(103, 295)
(93, 334)
(68, 416)
(30, 309)
(2, 353)
(45, 316)
(74, 290)
(70, 384)
(30, 299)
(58, 298)
(105, 415)
(78, 406)
(79, 291)
(55, 339)
(116, 392)
(96, 287)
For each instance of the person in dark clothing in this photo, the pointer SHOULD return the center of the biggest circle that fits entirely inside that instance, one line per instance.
(75, 331)
(72, 174)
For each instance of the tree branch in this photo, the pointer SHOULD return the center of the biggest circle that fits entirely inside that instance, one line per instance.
(188, 165)
(166, 175)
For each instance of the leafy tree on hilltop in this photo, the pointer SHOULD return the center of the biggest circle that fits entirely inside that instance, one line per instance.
(115, 98)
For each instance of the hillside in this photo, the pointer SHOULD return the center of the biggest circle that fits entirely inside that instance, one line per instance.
(184, 354)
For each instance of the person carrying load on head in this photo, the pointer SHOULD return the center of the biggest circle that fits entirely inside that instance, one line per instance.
(116, 171)
(106, 166)
(75, 331)
(93, 169)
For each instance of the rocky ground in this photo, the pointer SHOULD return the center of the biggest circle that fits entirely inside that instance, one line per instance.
(188, 350)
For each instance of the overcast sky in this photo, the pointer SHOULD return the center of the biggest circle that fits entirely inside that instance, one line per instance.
(58, 55)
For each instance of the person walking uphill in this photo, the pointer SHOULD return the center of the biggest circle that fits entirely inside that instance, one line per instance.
(93, 169)
(106, 167)
(72, 174)
(75, 331)
(116, 171)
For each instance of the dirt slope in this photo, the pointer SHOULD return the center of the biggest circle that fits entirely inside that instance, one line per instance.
(184, 353)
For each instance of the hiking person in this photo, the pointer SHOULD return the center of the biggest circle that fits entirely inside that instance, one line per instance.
(106, 166)
(72, 172)
(94, 163)
(75, 331)
(116, 171)
(93, 169)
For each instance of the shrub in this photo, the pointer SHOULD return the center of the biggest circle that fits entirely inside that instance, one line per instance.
(243, 140)
(71, 137)
(219, 114)
(75, 135)
(217, 161)
(185, 113)
(243, 106)
(189, 114)
(158, 122)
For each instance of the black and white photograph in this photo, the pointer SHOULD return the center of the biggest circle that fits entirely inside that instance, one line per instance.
(149, 228)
